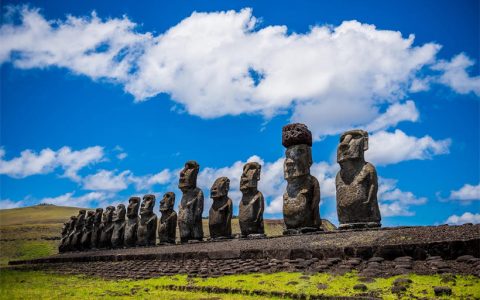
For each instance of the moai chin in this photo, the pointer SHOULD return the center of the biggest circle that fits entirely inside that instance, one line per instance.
(107, 228)
(252, 204)
(67, 230)
(76, 243)
(118, 232)
(147, 227)
(220, 214)
(97, 228)
(191, 205)
(167, 228)
(131, 225)
(87, 230)
(301, 200)
(356, 183)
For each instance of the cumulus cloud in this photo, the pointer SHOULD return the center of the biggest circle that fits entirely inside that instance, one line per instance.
(395, 202)
(467, 192)
(224, 63)
(31, 163)
(467, 217)
(86, 200)
(7, 204)
(392, 147)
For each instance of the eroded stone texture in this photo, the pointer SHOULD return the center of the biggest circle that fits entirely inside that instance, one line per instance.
(87, 230)
(107, 228)
(118, 226)
(252, 204)
(76, 243)
(356, 183)
(191, 206)
(67, 232)
(302, 198)
(220, 214)
(167, 228)
(97, 228)
(131, 224)
(147, 227)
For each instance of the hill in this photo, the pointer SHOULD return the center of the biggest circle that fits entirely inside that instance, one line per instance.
(38, 214)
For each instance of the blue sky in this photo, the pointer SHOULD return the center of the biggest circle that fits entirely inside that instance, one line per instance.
(104, 100)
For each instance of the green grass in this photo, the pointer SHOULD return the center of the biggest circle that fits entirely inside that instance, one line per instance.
(40, 285)
(19, 249)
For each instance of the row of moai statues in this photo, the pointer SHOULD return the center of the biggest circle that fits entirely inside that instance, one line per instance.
(356, 186)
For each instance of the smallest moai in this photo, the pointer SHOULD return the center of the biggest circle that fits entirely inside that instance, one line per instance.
(118, 226)
(76, 243)
(131, 224)
(97, 228)
(167, 228)
(87, 230)
(147, 227)
(251, 206)
(220, 214)
(107, 228)
(67, 230)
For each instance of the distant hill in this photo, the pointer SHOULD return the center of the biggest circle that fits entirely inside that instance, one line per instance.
(38, 214)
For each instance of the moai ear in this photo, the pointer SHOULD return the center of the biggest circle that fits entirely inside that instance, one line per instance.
(365, 141)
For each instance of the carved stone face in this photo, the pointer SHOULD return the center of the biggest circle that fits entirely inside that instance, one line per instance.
(119, 214)
(89, 219)
(133, 206)
(147, 204)
(220, 188)
(108, 214)
(352, 145)
(73, 220)
(167, 202)
(98, 215)
(250, 176)
(298, 161)
(188, 176)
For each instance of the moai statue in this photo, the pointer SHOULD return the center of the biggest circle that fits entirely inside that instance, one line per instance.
(147, 227)
(118, 226)
(220, 214)
(302, 198)
(97, 229)
(252, 204)
(107, 228)
(167, 228)
(131, 225)
(71, 233)
(67, 229)
(88, 230)
(191, 206)
(356, 183)
(76, 243)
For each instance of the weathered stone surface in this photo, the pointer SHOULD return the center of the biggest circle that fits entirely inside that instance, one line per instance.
(167, 229)
(220, 214)
(191, 205)
(252, 204)
(97, 228)
(87, 230)
(147, 227)
(118, 232)
(131, 224)
(302, 198)
(67, 231)
(107, 228)
(76, 242)
(356, 183)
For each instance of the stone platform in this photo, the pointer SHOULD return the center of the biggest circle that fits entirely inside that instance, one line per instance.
(373, 252)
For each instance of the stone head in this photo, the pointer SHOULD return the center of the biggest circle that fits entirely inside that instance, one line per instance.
(108, 214)
(353, 144)
(167, 202)
(119, 214)
(82, 212)
(250, 176)
(98, 215)
(220, 188)
(89, 218)
(133, 206)
(298, 160)
(90, 214)
(147, 204)
(188, 175)
(73, 221)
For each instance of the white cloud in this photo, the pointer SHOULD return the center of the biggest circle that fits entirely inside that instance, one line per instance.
(395, 202)
(392, 147)
(30, 163)
(146, 182)
(467, 192)
(467, 217)
(454, 74)
(7, 204)
(122, 156)
(86, 200)
(105, 180)
(224, 63)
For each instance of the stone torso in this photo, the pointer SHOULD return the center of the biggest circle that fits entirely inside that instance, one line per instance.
(299, 203)
(106, 235)
(131, 226)
(190, 215)
(250, 214)
(118, 234)
(167, 227)
(146, 232)
(219, 218)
